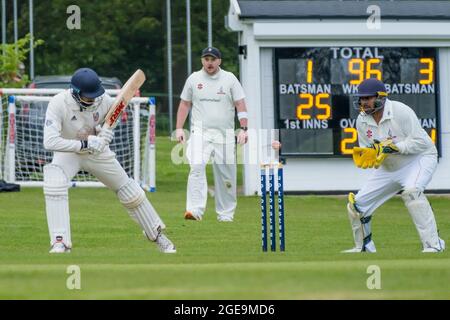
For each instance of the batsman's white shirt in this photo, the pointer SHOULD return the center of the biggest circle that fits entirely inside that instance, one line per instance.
(412, 167)
(212, 99)
(65, 125)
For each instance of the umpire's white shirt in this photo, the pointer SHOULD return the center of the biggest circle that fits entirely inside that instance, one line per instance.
(212, 99)
(399, 123)
(212, 134)
(65, 124)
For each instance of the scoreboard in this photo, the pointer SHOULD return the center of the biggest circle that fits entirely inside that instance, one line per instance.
(314, 86)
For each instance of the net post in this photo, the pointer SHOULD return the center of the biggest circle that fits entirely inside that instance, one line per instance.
(1, 136)
(10, 167)
(152, 143)
(149, 162)
(136, 141)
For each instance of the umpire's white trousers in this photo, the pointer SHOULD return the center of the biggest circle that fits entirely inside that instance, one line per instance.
(198, 152)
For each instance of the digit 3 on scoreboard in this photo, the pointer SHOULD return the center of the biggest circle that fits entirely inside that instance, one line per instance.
(314, 109)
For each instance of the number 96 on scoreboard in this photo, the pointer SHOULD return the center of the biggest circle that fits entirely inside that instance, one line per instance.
(314, 110)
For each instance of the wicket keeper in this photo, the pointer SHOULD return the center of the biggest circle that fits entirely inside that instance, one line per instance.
(73, 132)
(392, 141)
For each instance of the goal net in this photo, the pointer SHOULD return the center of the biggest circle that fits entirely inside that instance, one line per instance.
(22, 153)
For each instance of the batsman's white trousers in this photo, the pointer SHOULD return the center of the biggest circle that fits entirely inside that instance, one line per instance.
(198, 152)
(104, 167)
(384, 184)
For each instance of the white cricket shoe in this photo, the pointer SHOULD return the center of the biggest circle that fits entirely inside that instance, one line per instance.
(164, 244)
(434, 250)
(370, 248)
(352, 250)
(59, 247)
(221, 218)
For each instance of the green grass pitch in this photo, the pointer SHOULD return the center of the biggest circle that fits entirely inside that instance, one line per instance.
(214, 260)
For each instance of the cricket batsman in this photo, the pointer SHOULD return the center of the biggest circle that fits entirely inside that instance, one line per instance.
(392, 141)
(73, 132)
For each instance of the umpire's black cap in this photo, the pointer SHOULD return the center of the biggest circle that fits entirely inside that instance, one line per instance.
(212, 51)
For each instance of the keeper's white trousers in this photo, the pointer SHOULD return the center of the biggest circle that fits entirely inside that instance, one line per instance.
(198, 152)
(384, 184)
(413, 178)
(104, 167)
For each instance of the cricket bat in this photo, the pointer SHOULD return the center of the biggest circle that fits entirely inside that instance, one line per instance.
(126, 93)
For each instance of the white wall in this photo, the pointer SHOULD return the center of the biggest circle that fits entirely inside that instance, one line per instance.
(441, 179)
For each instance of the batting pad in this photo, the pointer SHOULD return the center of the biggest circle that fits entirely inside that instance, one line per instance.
(420, 210)
(56, 193)
(357, 228)
(140, 209)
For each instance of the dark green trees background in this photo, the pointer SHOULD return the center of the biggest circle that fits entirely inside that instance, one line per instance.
(118, 36)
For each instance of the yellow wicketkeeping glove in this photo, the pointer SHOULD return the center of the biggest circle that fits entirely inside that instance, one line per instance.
(383, 149)
(364, 157)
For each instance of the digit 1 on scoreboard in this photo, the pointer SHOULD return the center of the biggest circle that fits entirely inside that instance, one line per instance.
(309, 71)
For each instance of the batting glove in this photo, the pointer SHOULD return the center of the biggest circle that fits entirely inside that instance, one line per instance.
(96, 144)
(105, 133)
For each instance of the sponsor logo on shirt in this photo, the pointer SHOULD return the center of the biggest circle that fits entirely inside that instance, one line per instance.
(221, 91)
(369, 133)
(200, 86)
(74, 118)
(96, 116)
(209, 100)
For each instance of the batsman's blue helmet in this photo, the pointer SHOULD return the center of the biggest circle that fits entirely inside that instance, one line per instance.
(86, 83)
(371, 88)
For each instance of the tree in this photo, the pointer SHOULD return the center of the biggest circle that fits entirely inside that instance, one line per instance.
(12, 58)
(118, 36)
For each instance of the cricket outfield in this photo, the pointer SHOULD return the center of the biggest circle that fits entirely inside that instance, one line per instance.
(215, 260)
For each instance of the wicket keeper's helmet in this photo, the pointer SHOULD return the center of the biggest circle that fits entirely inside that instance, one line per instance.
(85, 83)
(371, 88)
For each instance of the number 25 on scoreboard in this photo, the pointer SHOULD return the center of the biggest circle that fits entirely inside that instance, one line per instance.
(317, 101)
